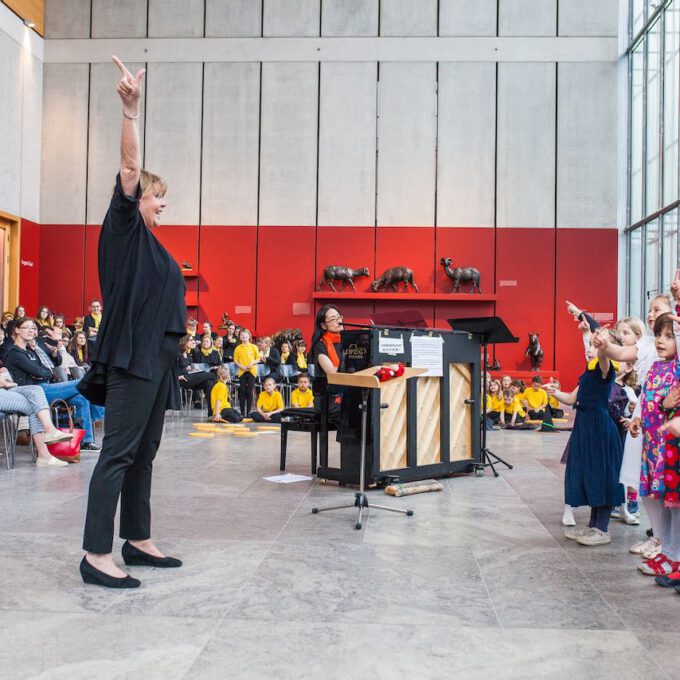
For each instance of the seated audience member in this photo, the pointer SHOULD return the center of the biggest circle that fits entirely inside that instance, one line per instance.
(4, 346)
(77, 349)
(269, 356)
(60, 323)
(298, 357)
(495, 405)
(505, 382)
(30, 400)
(77, 324)
(207, 330)
(536, 399)
(514, 414)
(29, 364)
(269, 403)
(219, 399)
(93, 319)
(44, 318)
(7, 317)
(553, 404)
(192, 327)
(218, 346)
(19, 313)
(190, 379)
(230, 341)
(516, 387)
(302, 397)
(246, 358)
(284, 351)
(207, 354)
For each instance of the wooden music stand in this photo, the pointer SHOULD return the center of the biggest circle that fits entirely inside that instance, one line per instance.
(366, 380)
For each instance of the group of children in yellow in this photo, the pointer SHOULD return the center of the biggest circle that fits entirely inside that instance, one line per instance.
(269, 405)
(510, 403)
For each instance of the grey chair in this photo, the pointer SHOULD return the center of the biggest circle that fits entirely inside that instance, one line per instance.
(60, 374)
(77, 372)
(288, 373)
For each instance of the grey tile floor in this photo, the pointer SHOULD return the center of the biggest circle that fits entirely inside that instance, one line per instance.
(478, 583)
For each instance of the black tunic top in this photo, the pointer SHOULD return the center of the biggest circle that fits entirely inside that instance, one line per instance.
(142, 290)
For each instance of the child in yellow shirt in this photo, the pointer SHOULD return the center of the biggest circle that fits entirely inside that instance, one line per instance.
(553, 404)
(269, 404)
(514, 414)
(494, 402)
(219, 399)
(536, 399)
(302, 397)
(246, 358)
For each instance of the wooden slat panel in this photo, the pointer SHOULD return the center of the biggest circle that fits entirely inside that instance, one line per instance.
(460, 388)
(428, 419)
(31, 10)
(393, 431)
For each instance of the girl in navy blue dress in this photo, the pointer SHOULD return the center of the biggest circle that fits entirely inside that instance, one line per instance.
(595, 451)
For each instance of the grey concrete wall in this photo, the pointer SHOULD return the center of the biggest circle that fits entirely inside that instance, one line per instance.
(242, 141)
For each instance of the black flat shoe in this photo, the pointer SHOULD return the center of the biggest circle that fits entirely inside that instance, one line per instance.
(134, 557)
(96, 577)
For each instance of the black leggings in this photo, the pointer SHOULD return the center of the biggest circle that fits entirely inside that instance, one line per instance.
(246, 390)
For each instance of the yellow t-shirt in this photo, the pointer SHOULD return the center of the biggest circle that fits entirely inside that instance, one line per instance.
(244, 354)
(537, 399)
(270, 402)
(302, 399)
(553, 403)
(220, 392)
(494, 403)
(514, 405)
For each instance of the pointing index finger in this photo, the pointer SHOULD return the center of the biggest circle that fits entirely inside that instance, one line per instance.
(121, 66)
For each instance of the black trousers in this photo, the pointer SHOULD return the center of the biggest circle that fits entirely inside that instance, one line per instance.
(231, 415)
(246, 390)
(200, 381)
(255, 415)
(536, 415)
(135, 411)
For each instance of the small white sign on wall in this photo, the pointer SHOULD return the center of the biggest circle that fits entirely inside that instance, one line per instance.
(391, 346)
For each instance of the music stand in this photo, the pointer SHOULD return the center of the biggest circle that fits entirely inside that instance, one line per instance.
(491, 331)
(366, 380)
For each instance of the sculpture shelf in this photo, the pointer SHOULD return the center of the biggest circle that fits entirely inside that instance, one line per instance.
(413, 297)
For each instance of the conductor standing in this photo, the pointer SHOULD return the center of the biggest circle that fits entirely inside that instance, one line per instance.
(137, 343)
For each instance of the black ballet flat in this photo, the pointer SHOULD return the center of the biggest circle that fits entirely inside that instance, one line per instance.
(134, 557)
(96, 577)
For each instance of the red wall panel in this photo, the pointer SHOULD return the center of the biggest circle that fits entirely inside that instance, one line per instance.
(62, 264)
(347, 247)
(285, 279)
(228, 257)
(467, 247)
(408, 246)
(587, 265)
(525, 282)
(29, 266)
(91, 284)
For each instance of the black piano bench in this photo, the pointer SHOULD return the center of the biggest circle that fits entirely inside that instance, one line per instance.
(300, 420)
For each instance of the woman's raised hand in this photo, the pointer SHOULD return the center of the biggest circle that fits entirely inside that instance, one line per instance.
(129, 88)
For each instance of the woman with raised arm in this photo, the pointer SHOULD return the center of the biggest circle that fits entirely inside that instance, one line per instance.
(137, 343)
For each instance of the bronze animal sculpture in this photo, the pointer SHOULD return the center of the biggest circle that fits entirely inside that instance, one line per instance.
(460, 275)
(534, 352)
(344, 274)
(225, 321)
(391, 277)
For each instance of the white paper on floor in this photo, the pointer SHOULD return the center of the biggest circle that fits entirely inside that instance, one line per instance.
(287, 479)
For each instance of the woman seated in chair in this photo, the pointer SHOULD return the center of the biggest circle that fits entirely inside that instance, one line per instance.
(198, 381)
(60, 323)
(231, 339)
(207, 354)
(218, 346)
(30, 400)
(77, 348)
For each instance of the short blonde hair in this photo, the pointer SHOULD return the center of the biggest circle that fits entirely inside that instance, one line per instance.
(152, 184)
(223, 373)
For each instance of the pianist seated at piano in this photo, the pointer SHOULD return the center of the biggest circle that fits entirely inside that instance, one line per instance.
(325, 355)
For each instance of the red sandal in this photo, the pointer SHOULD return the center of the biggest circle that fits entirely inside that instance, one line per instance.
(658, 566)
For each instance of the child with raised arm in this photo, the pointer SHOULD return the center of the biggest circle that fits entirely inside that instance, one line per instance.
(595, 453)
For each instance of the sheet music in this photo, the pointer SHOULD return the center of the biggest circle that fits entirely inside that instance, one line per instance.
(427, 352)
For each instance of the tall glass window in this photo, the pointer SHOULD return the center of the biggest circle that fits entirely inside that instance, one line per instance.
(671, 92)
(653, 149)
